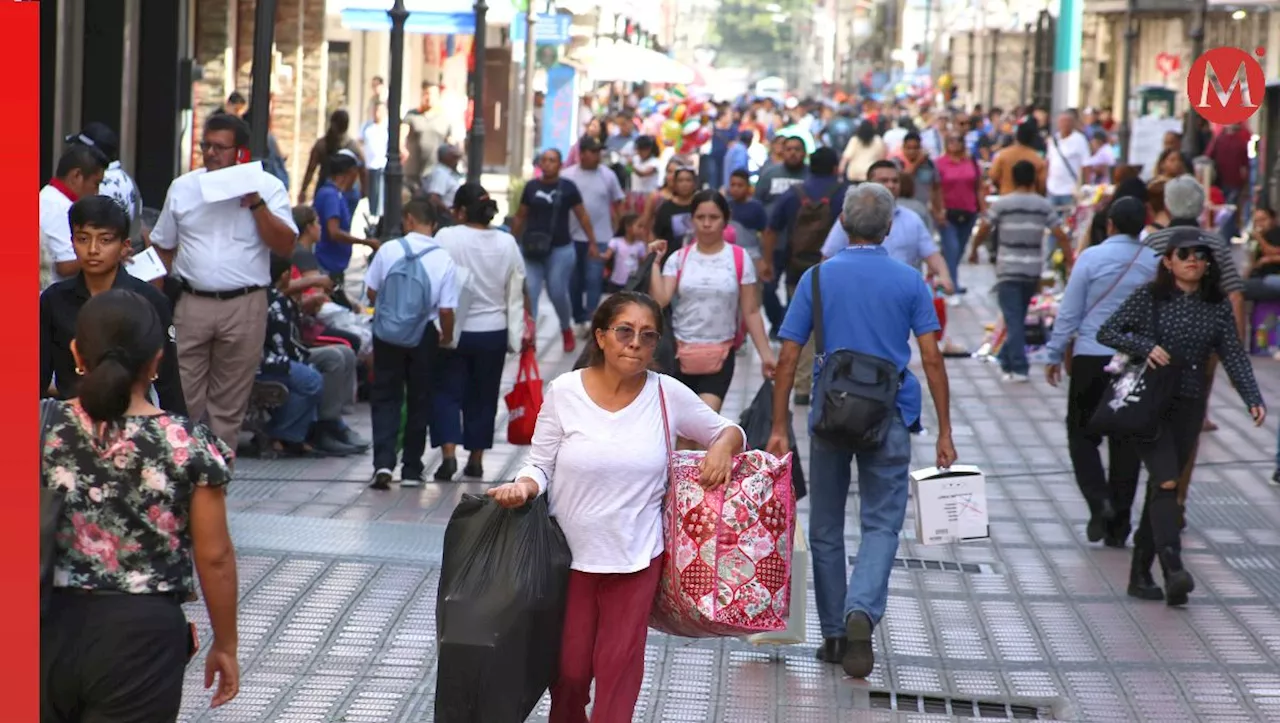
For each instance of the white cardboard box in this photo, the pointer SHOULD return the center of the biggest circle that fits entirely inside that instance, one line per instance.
(950, 505)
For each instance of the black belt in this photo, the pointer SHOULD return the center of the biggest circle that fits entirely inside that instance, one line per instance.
(91, 592)
(220, 295)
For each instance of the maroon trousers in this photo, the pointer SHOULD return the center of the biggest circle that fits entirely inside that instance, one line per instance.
(606, 623)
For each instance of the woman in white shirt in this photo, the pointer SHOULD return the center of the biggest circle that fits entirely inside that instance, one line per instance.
(711, 287)
(467, 378)
(600, 451)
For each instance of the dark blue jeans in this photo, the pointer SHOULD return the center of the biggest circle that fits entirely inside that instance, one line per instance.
(773, 307)
(292, 421)
(955, 237)
(586, 286)
(465, 390)
(1015, 299)
(883, 486)
(401, 374)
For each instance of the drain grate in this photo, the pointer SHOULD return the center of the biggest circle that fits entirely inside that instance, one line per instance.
(920, 563)
(981, 709)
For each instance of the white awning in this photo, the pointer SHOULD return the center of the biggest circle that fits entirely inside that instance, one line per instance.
(633, 64)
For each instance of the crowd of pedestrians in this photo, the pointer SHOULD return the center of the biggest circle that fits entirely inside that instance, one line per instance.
(815, 236)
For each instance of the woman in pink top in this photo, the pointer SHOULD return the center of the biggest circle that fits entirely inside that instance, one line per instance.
(964, 200)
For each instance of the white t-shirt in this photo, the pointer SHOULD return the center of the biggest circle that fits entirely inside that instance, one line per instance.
(646, 184)
(626, 258)
(374, 136)
(706, 303)
(55, 230)
(605, 472)
(490, 256)
(1072, 150)
(440, 269)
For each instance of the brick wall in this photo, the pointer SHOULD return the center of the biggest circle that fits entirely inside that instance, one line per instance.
(296, 122)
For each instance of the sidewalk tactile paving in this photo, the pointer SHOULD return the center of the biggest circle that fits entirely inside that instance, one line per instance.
(338, 586)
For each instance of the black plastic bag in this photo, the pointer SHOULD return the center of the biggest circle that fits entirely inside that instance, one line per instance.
(499, 611)
(664, 357)
(757, 423)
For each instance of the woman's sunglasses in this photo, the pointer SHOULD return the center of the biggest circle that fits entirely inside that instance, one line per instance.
(1199, 253)
(625, 335)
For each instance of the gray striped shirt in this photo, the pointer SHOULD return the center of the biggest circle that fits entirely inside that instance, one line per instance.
(1020, 221)
(1222, 256)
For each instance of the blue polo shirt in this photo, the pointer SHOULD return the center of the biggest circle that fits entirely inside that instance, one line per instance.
(330, 203)
(872, 304)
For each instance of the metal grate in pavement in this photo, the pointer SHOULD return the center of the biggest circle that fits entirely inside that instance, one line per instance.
(961, 707)
(920, 563)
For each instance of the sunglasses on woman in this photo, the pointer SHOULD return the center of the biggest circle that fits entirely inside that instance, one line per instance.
(1199, 253)
(625, 335)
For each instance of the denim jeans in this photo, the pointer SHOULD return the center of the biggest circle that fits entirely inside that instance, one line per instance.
(291, 421)
(465, 389)
(882, 491)
(587, 284)
(1237, 196)
(774, 310)
(377, 188)
(955, 237)
(553, 272)
(1015, 299)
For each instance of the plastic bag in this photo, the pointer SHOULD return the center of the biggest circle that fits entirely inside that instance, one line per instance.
(499, 611)
(525, 400)
(757, 423)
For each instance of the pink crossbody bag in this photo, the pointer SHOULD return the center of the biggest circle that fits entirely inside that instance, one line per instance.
(704, 359)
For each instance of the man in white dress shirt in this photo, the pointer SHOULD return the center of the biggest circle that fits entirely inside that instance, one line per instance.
(78, 174)
(220, 253)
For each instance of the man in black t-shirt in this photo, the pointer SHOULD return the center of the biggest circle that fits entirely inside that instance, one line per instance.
(545, 205)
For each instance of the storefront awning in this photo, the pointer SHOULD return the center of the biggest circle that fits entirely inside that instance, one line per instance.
(632, 64)
(426, 17)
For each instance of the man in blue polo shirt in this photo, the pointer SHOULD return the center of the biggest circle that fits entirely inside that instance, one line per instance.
(872, 304)
(333, 212)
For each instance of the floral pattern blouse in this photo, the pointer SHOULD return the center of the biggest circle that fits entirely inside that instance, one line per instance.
(128, 491)
(283, 343)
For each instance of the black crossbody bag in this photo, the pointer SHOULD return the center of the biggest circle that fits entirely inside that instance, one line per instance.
(537, 245)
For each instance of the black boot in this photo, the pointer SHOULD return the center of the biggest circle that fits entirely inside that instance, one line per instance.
(1141, 584)
(1118, 530)
(1102, 516)
(1178, 583)
(832, 650)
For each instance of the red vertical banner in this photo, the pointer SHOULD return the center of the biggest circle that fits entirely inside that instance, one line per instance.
(19, 531)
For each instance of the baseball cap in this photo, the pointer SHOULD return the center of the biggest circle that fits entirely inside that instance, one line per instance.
(97, 135)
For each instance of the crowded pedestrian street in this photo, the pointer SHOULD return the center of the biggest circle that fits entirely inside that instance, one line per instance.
(338, 589)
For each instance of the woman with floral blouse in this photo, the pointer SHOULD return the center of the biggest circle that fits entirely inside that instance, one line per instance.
(1181, 318)
(144, 509)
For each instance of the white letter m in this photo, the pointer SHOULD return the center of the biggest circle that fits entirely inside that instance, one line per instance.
(1239, 79)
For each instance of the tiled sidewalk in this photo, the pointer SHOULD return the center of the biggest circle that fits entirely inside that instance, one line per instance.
(338, 593)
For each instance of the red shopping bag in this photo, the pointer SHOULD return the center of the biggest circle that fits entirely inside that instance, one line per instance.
(525, 400)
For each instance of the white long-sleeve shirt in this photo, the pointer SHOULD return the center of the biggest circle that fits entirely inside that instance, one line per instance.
(606, 472)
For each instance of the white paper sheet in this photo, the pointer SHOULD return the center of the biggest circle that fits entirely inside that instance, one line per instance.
(232, 182)
(146, 266)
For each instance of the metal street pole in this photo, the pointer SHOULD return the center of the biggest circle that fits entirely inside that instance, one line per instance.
(527, 139)
(1126, 87)
(394, 177)
(991, 82)
(264, 29)
(1026, 62)
(1191, 126)
(475, 151)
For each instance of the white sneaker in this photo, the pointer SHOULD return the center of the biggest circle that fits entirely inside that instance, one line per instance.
(1015, 378)
(410, 482)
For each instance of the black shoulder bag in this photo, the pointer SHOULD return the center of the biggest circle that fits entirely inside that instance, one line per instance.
(51, 503)
(537, 245)
(856, 394)
(1138, 396)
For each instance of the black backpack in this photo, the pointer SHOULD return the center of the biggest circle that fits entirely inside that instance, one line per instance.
(856, 394)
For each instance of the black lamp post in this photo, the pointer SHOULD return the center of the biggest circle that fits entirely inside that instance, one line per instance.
(1191, 130)
(264, 27)
(1126, 85)
(394, 177)
(475, 149)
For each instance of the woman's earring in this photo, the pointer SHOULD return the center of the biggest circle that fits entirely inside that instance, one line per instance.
(80, 371)
(155, 377)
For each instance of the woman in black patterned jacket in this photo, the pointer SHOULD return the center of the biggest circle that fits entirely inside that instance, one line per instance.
(1194, 320)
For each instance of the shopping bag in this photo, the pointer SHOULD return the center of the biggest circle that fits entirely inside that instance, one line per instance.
(524, 400)
(499, 611)
(727, 571)
(757, 423)
(795, 632)
(1136, 401)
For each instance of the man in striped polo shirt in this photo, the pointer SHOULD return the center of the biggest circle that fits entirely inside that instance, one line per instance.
(1184, 198)
(1019, 220)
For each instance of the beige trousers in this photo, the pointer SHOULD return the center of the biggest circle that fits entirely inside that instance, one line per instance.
(219, 352)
